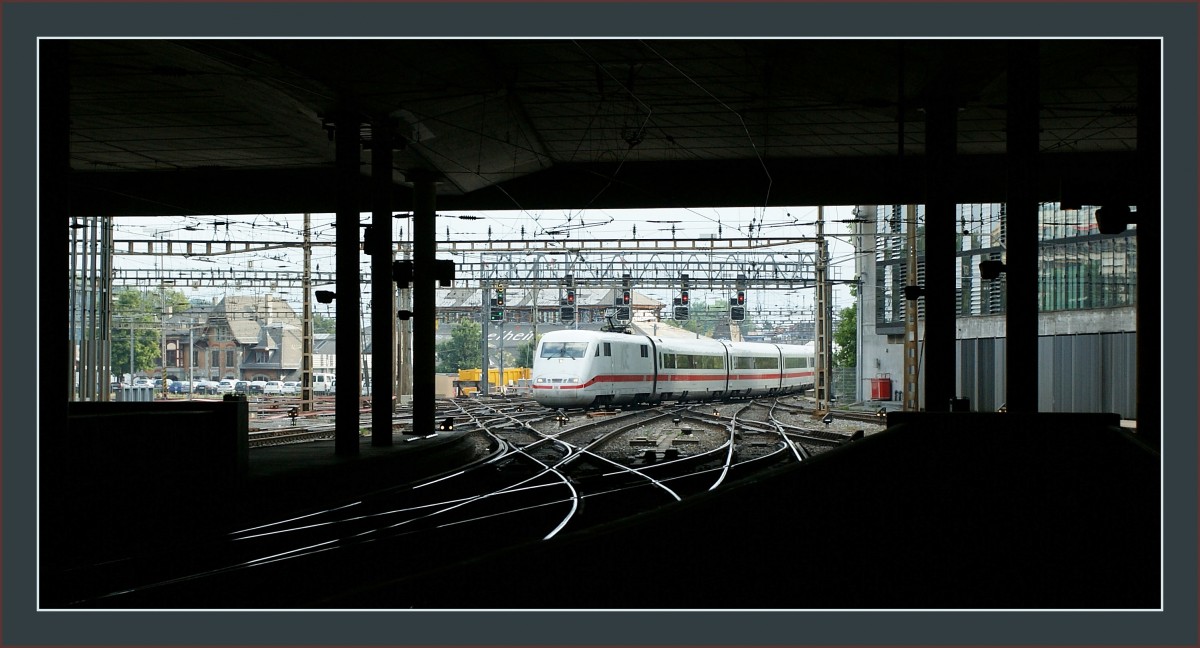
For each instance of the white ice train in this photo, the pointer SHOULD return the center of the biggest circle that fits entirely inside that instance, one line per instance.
(592, 368)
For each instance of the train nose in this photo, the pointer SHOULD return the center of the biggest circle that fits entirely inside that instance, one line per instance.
(559, 391)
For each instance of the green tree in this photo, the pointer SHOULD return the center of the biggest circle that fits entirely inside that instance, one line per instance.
(525, 352)
(322, 324)
(703, 317)
(147, 346)
(463, 349)
(137, 320)
(846, 338)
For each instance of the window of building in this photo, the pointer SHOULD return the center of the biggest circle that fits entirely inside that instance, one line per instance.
(222, 334)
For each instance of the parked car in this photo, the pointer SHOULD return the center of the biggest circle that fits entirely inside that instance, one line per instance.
(142, 382)
(241, 387)
(272, 388)
(204, 387)
(256, 386)
(225, 386)
(178, 387)
(291, 388)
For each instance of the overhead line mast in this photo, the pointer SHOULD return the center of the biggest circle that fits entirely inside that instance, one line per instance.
(824, 324)
(912, 351)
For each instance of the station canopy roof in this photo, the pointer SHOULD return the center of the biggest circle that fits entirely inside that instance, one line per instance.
(202, 127)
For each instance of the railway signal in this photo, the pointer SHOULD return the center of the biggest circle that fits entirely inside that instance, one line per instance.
(681, 313)
(497, 310)
(737, 305)
(683, 298)
(566, 309)
(625, 297)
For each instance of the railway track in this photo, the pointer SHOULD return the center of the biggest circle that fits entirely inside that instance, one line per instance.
(545, 472)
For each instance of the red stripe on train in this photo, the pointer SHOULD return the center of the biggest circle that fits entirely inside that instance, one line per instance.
(619, 378)
(609, 378)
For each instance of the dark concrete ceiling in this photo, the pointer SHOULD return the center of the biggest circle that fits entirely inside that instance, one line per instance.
(199, 127)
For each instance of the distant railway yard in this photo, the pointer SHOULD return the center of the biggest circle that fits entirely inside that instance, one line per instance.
(645, 433)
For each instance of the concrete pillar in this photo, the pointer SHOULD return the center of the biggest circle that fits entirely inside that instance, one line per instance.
(424, 292)
(941, 116)
(346, 402)
(1149, 234)
(383, 308)
(1021, 387)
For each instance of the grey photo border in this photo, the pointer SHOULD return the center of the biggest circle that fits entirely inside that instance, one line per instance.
(24, 23)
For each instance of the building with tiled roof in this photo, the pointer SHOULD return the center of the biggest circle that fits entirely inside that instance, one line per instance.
(242, 337)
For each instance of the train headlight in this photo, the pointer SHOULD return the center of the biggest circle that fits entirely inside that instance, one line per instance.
(541, 380)
(573, 379)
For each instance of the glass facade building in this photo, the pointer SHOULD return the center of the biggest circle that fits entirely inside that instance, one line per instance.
(1078, 267)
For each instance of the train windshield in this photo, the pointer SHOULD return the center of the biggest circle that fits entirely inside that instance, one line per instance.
(564, 349)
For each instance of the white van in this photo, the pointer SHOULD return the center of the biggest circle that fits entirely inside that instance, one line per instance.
(322, 383)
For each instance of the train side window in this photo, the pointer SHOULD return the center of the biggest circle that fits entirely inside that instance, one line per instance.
(645, 351)
(607, 349)
(597, 350)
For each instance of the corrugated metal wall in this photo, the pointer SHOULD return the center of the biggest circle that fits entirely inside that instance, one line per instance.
(1075, 373)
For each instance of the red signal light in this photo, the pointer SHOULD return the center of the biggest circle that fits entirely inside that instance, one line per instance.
(741, 298)
(571, 297)
(625, 297)
(683, 298)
